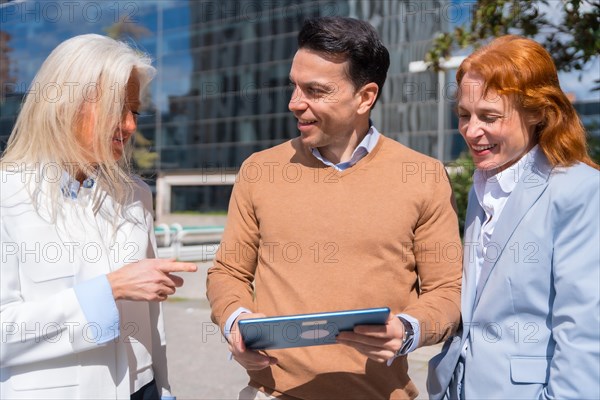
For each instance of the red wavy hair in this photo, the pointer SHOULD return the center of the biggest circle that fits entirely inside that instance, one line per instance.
(523, 70)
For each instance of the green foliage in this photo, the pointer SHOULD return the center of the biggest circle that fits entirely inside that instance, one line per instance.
(142, 158)
(594, 148)
(125, 28)
(572, 41)
(461, 178)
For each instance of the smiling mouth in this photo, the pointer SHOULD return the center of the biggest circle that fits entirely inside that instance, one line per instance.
(482, 148)
(306, 121)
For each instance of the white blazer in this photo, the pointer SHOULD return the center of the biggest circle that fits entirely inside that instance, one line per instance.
(48, 348)
(532, 321)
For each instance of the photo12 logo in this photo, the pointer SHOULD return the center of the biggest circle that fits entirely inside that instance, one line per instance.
(69, 11)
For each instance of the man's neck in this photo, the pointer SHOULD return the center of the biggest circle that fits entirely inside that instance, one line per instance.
(342, 151)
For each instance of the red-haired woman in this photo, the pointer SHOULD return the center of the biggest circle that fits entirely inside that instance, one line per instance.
(531, 281)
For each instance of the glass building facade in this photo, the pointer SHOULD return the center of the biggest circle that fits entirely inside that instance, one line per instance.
(222, 88)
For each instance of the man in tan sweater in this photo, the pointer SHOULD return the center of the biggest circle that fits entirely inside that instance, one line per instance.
(339, 218)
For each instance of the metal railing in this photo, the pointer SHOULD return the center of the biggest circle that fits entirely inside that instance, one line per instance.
(190, 243)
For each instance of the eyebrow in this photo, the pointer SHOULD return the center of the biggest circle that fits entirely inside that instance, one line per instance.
(313, 83)
(481, 110)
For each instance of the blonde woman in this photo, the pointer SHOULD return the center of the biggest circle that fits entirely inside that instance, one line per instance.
(80, 287)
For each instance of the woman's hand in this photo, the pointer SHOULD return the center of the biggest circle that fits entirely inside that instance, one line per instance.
(148, 280)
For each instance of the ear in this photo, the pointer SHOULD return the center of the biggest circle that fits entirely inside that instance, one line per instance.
(368, 94)
(534, 118)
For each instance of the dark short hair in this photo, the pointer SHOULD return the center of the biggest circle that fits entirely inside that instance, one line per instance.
(357, 41)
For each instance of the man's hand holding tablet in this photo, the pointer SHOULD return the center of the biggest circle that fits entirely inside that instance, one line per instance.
(249, 359)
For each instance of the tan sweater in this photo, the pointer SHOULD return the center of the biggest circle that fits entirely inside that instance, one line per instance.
(312, 239)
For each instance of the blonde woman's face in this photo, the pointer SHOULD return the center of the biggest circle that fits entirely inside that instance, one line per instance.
(128, 125)
(122, 133)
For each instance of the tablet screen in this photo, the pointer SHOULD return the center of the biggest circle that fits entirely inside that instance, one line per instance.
(306, 329)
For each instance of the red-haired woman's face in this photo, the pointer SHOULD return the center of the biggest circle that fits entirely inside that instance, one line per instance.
(497, 133)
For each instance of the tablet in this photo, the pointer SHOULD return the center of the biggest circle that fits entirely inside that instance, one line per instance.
(306, 329)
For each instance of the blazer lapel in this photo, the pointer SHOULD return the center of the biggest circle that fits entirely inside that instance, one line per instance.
(475, 218)
(530, 187)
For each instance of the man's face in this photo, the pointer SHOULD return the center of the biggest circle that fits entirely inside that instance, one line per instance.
(325, 102)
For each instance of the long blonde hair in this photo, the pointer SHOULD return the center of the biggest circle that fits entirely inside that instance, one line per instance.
(86, 70)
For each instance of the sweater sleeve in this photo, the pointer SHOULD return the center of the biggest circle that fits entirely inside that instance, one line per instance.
(438, 254)
(229, 280)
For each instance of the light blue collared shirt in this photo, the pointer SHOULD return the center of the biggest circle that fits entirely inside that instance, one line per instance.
(72, 189)
(98, 305)
(364, 147)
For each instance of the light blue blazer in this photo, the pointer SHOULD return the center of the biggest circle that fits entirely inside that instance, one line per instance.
(532, 322)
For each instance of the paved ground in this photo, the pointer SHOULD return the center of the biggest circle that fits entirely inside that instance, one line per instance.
(197, 354)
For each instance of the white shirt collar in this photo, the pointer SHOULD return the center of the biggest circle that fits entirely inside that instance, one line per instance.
(503, 183)
(364, 147)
